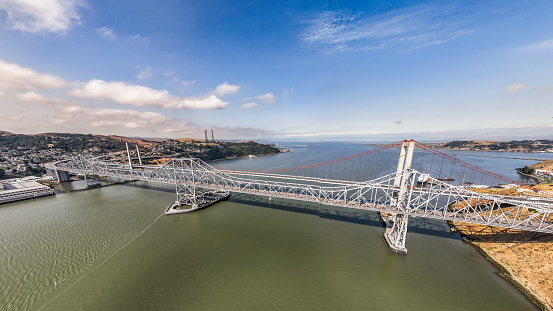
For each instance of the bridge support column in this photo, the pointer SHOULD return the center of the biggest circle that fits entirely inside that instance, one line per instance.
(396, 235)
(189, 195)
(186, 177)
(129, 155)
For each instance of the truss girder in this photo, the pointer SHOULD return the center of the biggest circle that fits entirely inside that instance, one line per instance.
(436, 199)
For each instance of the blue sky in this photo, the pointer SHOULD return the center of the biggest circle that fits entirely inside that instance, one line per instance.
(278, 70)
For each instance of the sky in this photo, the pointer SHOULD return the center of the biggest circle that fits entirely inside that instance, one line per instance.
(278, 70)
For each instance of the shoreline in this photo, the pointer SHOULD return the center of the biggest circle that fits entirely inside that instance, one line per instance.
(487, 150)
(537, 179)
(248, 157)
(504, 272)
(511, 278)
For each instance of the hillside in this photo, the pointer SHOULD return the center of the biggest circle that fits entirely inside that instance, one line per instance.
(542, 145)
(544, 165)
(22, 155)
(63, 141)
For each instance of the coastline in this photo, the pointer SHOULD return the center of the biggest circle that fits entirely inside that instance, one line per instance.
(521, 281)
(246, 157)
(488, 150)
(534, 177)
(510, 276)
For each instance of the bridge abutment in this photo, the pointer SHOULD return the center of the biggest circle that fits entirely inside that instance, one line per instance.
(62, 176)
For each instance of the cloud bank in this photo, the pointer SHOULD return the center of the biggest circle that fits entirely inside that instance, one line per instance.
(68, 116)
(13, 76)
(137, 95)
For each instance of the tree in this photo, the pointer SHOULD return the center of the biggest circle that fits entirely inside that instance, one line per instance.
(527, 170)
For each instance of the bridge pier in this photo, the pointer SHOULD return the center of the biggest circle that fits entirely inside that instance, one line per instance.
(396, 235)
(62, 176)
(188, 195)
(90, 182)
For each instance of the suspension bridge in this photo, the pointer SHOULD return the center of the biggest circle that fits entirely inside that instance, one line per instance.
(402, 179)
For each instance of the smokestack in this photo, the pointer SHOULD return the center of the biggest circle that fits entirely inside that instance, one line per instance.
(205, 135)
(212, 139)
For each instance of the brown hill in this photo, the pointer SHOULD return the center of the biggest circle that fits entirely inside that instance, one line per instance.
(544, 165)
(140, 141)
(188, 140)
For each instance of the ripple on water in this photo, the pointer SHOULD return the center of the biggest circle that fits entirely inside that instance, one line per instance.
(47, 243)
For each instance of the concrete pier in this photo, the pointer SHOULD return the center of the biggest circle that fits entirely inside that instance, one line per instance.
(388, 219)
(391, 247)
(212, 199)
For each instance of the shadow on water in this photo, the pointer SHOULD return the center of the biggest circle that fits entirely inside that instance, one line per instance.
(151, 186)
(416, 225)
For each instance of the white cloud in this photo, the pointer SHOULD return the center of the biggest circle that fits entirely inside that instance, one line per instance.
(137, 95)
(249, 105)
(14, 118)
(398, 121)
(107, 33)
(267, 99)
(514, 88)
(415, 26)
(546, 45)
(42, 15)
(144, 73)
(226, 89)
(13, 76)
(141, 39)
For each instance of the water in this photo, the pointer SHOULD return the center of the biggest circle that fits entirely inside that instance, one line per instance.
(502, 163)
(109, 249)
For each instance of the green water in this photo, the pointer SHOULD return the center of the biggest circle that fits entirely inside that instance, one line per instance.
(111, 249)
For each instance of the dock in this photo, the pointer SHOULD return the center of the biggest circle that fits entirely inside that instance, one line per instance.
(22, 189)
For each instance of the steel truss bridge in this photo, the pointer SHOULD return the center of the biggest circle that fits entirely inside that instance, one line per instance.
(441, 188)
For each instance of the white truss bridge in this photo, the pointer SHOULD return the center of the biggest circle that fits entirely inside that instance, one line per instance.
(399, 193)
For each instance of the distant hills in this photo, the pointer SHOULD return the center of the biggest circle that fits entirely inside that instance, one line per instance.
(541, 145)
(32, 146)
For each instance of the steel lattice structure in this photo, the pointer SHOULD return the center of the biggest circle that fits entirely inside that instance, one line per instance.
(436, 199)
